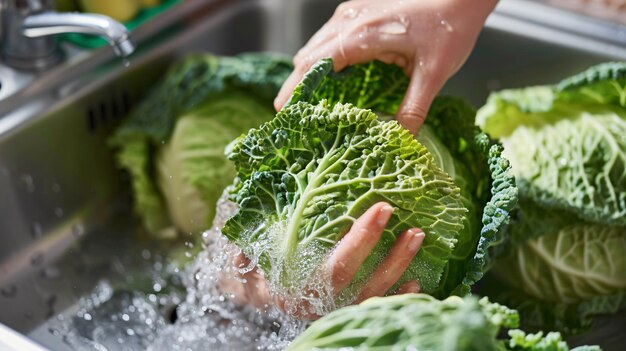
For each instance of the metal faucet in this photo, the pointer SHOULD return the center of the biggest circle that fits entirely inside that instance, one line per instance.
(29, 26)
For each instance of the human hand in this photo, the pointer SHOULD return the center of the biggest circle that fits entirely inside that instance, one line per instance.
(429, 39)
(345, 260)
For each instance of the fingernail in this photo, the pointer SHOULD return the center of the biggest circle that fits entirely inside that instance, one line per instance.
(417, 237)
(383, 215)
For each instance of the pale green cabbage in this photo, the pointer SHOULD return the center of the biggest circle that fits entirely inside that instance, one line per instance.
(173, 143)
(566, 254)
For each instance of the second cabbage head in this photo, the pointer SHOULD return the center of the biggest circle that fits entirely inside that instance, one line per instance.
(566, 253)
(330, 153)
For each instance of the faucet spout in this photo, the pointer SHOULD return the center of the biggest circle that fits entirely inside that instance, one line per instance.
(28, 29)
(51, 23)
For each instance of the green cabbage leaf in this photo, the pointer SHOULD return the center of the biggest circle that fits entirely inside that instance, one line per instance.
(173, 142)
(421, 322)
(331, 153)
(565, 253)
(566, 142)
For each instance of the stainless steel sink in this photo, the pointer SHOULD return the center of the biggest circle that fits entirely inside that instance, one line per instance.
(65, 218)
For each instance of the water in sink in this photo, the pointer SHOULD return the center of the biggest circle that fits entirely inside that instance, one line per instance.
(174, 309)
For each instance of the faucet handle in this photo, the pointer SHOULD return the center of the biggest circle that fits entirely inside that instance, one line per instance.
(21, 52)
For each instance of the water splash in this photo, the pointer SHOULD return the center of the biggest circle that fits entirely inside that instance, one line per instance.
(198, 312)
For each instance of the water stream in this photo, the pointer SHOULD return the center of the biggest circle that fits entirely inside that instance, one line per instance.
(185, 308)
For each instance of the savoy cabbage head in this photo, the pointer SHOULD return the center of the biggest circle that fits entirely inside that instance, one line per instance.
(566, 251)
(330, 153)
(421, 322)
(173, 143)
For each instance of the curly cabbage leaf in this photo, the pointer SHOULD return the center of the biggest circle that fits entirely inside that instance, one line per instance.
(537, 314)
(561, 271)
(286, 159)
(564, 255)
(473, 160)
(578, 262)
(566, 143)
(172, 144)
(304, 177)
(421, 322)
(552, 341)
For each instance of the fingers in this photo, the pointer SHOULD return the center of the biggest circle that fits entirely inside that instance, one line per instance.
(394, 265)
(424, 86)
(410, 287)
(357, 244)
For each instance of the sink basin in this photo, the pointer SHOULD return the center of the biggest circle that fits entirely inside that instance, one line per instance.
(64, 217)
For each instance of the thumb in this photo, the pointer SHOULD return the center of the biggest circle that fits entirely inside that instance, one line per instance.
(424, 86)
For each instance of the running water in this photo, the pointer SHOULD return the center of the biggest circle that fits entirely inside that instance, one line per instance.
(186, 309)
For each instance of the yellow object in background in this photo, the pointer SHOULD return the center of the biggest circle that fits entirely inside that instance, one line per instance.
(150, 3)
(121, 10)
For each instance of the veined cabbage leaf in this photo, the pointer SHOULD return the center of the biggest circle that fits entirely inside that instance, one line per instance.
(173, 143)
(304, 177)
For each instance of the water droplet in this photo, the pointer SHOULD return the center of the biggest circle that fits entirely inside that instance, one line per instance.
(51, 273)
(145, 254)
(125, 317)
(78, 230)
(9, 291)
(28, 182)
(126, 63)
(58, 211)
(54, 331)
(36, 230)
(87, 316)
(36, 259)
(350, 13)
(156, 287)
(130, 332)
(447, 25)
(393, 28)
